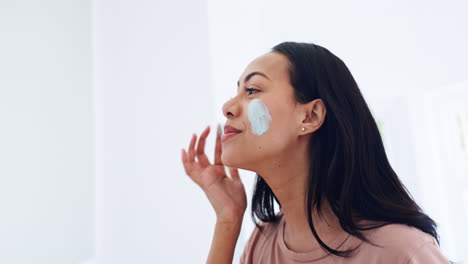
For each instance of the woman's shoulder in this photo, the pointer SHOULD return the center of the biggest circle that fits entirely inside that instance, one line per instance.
(399, 235)
(403, 242)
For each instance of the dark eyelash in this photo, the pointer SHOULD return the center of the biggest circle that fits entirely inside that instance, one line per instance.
(251, 89)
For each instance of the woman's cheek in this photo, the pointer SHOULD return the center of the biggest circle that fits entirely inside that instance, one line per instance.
(259, 117)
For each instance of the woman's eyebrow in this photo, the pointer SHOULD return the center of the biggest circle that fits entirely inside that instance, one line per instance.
(250, 75)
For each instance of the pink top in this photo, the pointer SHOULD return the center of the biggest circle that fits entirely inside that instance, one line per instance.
(401, 244)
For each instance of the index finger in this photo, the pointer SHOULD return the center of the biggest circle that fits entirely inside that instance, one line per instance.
(218, 149)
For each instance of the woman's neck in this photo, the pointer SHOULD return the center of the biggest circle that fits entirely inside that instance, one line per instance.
(287, 178)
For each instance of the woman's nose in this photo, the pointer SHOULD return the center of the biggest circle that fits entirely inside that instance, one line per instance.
(231, 108)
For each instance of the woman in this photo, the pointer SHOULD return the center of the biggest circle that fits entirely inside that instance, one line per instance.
(300, 122)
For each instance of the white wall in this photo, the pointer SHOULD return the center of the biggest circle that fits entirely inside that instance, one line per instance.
(441, 160)
(152, 92)
(46, 132)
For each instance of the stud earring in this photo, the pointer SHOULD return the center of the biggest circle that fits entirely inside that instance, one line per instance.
(303, 129)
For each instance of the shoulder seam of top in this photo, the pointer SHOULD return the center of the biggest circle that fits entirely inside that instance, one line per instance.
(411, 253)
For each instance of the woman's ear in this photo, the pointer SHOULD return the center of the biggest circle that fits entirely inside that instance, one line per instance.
(313, 116)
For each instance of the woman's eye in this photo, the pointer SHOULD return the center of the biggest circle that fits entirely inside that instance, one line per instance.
(251, 89)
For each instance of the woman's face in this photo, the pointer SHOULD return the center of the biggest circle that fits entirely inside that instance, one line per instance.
(267, 116)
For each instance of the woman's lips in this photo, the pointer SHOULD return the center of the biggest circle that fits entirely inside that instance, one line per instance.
(228, 136)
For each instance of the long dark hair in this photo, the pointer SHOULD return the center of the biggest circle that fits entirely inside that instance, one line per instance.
(348, 168)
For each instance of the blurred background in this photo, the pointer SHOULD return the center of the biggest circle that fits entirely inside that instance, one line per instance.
(97, 98)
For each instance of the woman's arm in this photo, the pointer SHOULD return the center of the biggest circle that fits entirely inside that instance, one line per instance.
(224, 243)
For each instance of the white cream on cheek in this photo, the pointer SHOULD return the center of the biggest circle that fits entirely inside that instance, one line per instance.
(259, 117)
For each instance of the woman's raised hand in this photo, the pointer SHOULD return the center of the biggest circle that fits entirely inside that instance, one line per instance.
(227, 196)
